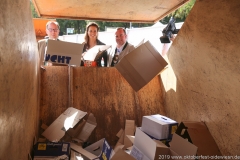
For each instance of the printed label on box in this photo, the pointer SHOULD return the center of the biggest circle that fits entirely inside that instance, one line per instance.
(136, 154)
(42, 146)
(174, 128)
(64, 147)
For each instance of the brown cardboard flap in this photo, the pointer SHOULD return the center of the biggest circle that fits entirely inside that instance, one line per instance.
(161, 149)
(87, 128)
(181, 146)
(199, 135)
(130, 74)
(131, 138)
(77, 129)
(91, 119)
(120, 132)
(86, 131)
(68, 119)
(141, 65)
(129, 130)
(155, 53)
(120, 142)
(118, 146)
(81, 132)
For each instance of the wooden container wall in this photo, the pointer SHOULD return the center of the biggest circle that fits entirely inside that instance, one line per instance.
(101, 91)
(204, 59)
(19, 80)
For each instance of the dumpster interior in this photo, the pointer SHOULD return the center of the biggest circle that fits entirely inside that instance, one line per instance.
(200, 84)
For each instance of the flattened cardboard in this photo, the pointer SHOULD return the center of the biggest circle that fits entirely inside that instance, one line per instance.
(62, 52)
(199, 135)
(141, 65)
(95, 52)
(159, 127)
(98, 150)
(66, 120)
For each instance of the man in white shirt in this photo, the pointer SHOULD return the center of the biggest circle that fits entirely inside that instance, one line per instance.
(122, 48)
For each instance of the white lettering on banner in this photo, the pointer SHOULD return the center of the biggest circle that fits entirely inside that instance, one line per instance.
(58, 58)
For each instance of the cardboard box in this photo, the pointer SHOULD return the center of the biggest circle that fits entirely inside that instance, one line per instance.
(81, 132)
(121, 155)
(141, 65)
(124, 142)
(145, 148)
(51, 150)
(120, 142)
(62, 52)
(159, 127)
(199, 135)
(98, 150)
(66, 120)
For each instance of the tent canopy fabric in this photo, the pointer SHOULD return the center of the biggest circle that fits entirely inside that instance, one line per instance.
(140, 11)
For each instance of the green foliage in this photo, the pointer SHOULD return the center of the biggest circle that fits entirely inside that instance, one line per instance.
(183, 11)
(78, 25)
(180, 14)
(34, 13)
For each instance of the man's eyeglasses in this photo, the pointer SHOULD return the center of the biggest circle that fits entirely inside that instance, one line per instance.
(52, 30)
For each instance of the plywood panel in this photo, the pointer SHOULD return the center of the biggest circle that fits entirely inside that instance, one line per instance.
(19, 83)
(101, 91)
(106, 94)
(202, 81)
(108, 10)
(54, 93)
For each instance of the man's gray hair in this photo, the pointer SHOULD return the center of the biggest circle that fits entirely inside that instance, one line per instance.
(49, 22)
